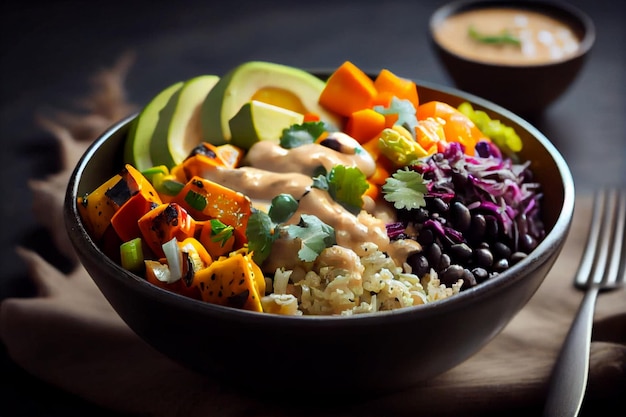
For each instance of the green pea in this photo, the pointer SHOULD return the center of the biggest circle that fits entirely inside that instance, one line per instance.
(282, 208)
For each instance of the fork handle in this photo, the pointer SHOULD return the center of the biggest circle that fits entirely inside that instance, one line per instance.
(569, 376)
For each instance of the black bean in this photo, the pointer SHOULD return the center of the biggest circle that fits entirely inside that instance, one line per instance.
(469, 280)
(500, 265)
(527, 243)
(460, 216)
(459, 179)
(460, 252)
(438, 205)
(425, 237)
(444, 262)
(483, 257)
(433, 254)
(477, 228)
(480, 274)
(419, 264)
(421, 215)
(451, 275)
(501, 250)
(517, 256)
(492, 228)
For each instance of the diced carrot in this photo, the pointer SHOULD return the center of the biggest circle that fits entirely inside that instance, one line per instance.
(365, 124)
(347, 90)
(389, 85)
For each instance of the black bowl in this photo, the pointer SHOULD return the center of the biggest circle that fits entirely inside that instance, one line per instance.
(524, 89)
(361, 354)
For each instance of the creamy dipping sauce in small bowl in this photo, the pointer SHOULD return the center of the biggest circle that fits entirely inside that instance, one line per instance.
(511, 36)
(522, 55)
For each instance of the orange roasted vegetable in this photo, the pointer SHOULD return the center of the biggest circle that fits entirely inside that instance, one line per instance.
(456, 125)
(96, 208)
(347, 90)
(365, 124)
(389, 85)
(205, 200)
(163, 223)
(233, 281)
(143, 198)
(216, 237)
(230, 155)
(194, 258)
(207, 156)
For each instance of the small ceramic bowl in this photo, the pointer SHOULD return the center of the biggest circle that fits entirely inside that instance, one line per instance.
(525, 87)
(293, 356)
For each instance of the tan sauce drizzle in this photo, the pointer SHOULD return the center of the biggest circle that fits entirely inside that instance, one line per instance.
(263, 185)
(305, 159)
(543, 38)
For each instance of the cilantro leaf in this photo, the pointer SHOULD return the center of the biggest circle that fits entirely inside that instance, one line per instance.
(404, 109)
(405, 189)
(321, 182)
(301, 134)
(261, 235)
(314, 234)
(346, 185)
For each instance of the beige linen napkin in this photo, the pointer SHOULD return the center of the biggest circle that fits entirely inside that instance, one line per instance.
(70, 337)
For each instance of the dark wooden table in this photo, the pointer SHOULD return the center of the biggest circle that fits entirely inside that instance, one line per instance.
(49, 50)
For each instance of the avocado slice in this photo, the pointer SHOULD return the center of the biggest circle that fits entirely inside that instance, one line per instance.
(280, 85)
(257, 121)
(153, 120)
(184, 131)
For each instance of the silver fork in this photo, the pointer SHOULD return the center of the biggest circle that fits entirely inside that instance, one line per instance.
(603, 267)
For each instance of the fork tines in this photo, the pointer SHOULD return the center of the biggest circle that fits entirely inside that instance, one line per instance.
(604, 263)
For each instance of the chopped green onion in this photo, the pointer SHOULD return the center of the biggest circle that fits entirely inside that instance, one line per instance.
(220, 232)
(174, 259)
(164, 185)
(196, 200)
(156, 170)
(131, 255)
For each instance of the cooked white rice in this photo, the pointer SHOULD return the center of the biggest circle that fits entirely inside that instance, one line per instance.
(342, 282)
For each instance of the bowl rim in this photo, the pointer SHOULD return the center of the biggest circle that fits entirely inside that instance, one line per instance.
(510, 277)
(457, 6)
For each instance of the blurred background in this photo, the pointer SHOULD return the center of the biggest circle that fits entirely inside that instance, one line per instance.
(50, 49)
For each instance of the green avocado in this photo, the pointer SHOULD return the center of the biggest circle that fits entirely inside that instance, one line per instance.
(280, 85)
(257, 121)
(183, 132)
(153, 120)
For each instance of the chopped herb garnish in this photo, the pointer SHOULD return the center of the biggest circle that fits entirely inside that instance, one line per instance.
(346, 185)
(220, 232)
(314, 234)
(262, 231)
(302, 134)
(504, 37)
(405, 189)
(404, 109)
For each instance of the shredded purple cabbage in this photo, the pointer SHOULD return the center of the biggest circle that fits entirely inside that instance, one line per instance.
(486, 183)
